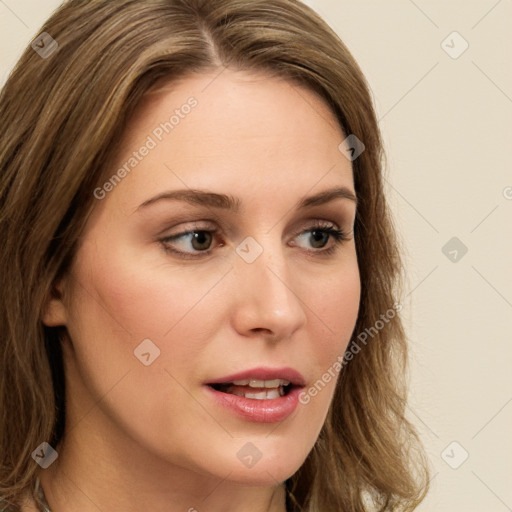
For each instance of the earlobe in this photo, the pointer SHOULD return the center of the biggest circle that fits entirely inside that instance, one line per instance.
(54, 309)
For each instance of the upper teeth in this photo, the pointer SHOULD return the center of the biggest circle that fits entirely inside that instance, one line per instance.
(253, 383)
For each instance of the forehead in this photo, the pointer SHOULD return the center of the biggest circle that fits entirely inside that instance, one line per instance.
(232, 129)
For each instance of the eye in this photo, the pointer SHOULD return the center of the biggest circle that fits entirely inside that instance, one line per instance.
(196, 243)
(198, 240)
(318, 237)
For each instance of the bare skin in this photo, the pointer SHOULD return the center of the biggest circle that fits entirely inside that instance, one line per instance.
(150, 437)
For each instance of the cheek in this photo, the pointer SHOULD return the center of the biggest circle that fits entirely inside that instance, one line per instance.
(143, 298)
(336, 306)
(121, 299)
(118, 302)
(333, 316)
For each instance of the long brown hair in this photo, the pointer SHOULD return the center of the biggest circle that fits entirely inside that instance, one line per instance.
(62, 117)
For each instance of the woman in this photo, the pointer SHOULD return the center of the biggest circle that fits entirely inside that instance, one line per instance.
(200, 273)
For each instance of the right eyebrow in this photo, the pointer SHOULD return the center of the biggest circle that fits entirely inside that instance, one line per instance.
(201, 197)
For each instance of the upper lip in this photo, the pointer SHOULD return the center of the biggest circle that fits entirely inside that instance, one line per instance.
(263, 373)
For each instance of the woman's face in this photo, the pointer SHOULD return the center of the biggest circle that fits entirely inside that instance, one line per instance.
(200, 265)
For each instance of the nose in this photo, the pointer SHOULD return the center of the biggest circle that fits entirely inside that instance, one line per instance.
(267, 300)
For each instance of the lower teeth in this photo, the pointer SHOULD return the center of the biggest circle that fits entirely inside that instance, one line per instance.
(269, 394)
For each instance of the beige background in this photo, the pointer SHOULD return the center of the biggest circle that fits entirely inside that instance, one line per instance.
(447, 126)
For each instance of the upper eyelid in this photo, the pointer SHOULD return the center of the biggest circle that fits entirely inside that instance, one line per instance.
(214, 223)
(321, 224)
(337, 212)
(312, 223)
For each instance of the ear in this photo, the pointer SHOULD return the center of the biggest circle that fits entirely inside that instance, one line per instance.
(54, 309)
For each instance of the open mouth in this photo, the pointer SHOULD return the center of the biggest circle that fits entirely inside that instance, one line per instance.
(262, 395)
(255, 389)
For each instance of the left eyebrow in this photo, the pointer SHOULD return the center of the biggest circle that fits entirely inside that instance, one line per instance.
(228, 202)
(326, 196)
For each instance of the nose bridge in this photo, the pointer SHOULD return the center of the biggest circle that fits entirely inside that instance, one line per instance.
(266, 298)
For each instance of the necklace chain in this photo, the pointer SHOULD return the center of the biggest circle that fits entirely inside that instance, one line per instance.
(44, 507)
(41, 498)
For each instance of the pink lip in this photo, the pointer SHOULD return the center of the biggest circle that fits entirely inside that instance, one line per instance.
(260, 411)
(263, 373)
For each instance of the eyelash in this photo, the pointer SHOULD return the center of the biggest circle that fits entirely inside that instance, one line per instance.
(339, 236)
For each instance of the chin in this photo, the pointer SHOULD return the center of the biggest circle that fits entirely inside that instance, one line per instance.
(262, 475)
(266, 466)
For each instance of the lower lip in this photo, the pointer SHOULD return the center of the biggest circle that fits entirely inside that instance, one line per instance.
(260, 411)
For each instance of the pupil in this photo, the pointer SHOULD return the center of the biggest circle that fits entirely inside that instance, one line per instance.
(201, 237)
(317, 236)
